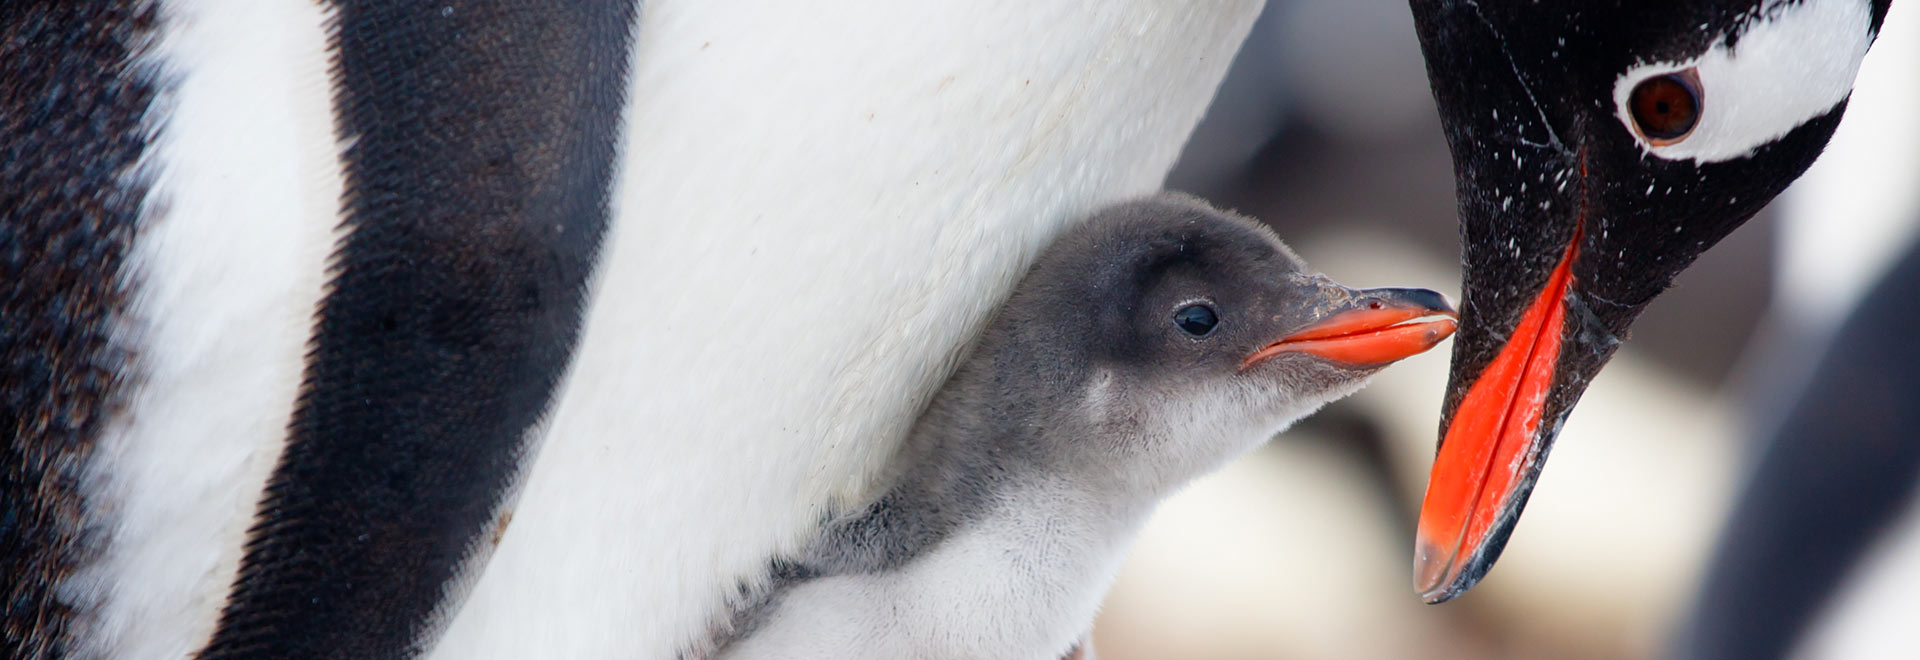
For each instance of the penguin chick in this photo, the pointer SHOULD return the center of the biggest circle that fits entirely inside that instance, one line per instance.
(1146, 347)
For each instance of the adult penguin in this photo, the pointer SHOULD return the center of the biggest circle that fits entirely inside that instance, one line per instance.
(1599, 149)
(295, 294)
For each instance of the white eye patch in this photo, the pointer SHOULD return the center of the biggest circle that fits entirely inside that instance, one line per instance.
(1793, 63)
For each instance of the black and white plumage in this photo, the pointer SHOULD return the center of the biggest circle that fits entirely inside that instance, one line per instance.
(331, 276)
(1147, 347)
(340, 253)
(65, 236)
(474, 200)
(1599, 149)
(857, 179)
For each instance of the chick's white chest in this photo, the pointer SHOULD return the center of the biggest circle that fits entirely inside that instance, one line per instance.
(1025, 583)
(817, 205)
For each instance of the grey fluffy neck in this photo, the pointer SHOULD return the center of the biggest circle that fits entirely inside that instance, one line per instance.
(980, 460)
(987, 446)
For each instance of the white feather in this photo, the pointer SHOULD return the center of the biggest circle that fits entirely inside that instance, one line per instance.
(224, 277)
(1855, 211)
(817, 204)
(1026, 581)
(1794, 62)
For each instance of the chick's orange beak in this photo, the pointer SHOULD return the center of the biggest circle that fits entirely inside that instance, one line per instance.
(1381, 326)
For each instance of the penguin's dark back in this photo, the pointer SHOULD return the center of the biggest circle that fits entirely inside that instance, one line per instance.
(476, 143)
(66, 224)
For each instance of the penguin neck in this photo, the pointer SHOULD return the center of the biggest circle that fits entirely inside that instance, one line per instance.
(1052, 536)
(988, 455)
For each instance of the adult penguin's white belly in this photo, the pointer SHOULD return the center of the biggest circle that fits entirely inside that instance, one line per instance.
(816, 205)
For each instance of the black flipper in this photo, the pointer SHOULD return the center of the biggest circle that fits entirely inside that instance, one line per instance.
(483, 137)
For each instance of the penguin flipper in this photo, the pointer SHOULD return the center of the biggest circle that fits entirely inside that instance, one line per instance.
(481, 154)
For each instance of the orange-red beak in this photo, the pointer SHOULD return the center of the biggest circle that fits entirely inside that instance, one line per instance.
(1568, 230)
(1491, 449)
(1381, 326)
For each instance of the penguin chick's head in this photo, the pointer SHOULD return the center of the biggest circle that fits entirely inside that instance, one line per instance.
(1179, 336)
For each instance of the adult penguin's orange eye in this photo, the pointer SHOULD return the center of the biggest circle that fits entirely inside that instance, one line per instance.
(1666, 107)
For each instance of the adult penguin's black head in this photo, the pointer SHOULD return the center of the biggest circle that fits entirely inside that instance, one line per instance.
(1599, 147)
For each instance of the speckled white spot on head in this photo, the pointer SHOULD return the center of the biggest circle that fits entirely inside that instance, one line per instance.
(1792, 63)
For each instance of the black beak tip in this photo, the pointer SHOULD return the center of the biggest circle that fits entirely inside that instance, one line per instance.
(1460, 584)
(1484, 557)
(1427, 299)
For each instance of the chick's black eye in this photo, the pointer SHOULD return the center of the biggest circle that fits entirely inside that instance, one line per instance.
(1196, 320)
(1665, 108)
